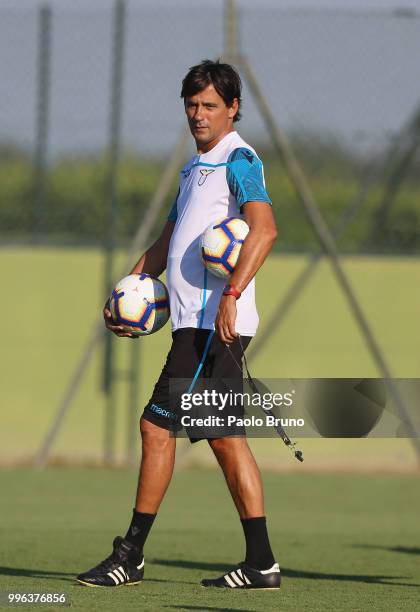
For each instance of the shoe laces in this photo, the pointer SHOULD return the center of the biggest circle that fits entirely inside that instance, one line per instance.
(113, 558)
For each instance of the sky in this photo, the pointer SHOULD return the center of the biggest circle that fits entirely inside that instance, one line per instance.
(348, 75)
(334, 4)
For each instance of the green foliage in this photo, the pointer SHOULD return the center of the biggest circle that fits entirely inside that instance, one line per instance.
(16, 210)
(78, 199)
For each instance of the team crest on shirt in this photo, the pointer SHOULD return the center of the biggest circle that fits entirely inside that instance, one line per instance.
(204, 174)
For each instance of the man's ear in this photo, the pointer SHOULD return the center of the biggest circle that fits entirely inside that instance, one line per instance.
(234, 108)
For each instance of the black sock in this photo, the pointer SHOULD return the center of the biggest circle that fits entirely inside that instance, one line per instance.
(140, 525)
(258, 550)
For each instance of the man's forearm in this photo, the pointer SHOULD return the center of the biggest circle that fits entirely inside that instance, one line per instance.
(254, 251)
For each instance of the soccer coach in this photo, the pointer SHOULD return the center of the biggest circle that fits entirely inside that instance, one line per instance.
(225, 178)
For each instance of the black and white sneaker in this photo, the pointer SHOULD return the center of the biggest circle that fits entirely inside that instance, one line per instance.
(245, 577)
(123, 566)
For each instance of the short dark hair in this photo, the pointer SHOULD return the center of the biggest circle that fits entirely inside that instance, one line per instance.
(223, 77)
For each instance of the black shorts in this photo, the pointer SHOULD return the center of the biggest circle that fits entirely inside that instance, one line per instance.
(197, 358)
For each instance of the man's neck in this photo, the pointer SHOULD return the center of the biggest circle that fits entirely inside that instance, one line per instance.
(205, 148)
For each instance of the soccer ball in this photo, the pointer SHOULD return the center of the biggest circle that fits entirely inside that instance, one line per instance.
(140, 303)
(221, 244)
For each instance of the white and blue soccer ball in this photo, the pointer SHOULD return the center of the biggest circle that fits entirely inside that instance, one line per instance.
(140, 304)
(221, 244)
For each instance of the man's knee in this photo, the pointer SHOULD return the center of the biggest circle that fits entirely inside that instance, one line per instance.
(154, 437)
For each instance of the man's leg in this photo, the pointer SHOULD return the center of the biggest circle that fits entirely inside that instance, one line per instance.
(157, 426)
(126, 564)
(244, 481)
(156, 469)
(157, 466)
(241, 473)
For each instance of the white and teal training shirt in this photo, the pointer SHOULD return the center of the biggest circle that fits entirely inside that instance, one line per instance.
(212, 185)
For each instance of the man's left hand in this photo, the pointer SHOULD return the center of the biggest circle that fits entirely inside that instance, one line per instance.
(226, 318)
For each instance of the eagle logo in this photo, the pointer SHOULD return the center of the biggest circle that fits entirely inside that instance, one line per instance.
(204, 174)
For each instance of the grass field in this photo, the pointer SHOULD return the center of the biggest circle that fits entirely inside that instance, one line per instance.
(344, 542)
(57, 297)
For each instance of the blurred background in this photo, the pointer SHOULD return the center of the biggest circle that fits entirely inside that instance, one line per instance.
(92, 137)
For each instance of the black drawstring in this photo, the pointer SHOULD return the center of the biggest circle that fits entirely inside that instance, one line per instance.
(283, 435)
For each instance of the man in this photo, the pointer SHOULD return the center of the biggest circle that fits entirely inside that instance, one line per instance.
(211, 322)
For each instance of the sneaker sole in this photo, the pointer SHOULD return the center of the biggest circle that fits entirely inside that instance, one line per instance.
(103, 586)
(241, 588)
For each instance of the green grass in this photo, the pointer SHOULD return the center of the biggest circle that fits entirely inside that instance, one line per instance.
(344, 542)
(54, 297)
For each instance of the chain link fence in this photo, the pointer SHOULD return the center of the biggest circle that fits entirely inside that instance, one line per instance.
(92, 136)
(341, 83)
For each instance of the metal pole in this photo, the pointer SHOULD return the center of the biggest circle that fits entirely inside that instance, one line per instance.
(347, 216)
(137, 244)
(150, 218)
(68, 397)
(327, 242)
(42, 117)
(133, 403)
(396, 177)
(230, 31)
(140, 238)
(110, 239)
(302, 279)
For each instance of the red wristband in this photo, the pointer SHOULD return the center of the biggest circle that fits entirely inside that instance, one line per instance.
(232, 290)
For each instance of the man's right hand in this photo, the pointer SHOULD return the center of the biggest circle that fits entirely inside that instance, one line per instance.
(109, 324)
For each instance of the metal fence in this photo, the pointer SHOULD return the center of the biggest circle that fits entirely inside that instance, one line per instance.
(90, 95)
(92, 137)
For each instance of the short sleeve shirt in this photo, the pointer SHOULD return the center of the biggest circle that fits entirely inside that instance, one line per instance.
(212, 186)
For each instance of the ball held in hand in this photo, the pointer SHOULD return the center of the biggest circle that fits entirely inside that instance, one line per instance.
(140, 304)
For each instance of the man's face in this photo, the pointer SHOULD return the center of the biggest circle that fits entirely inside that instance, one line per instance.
(209, 118)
